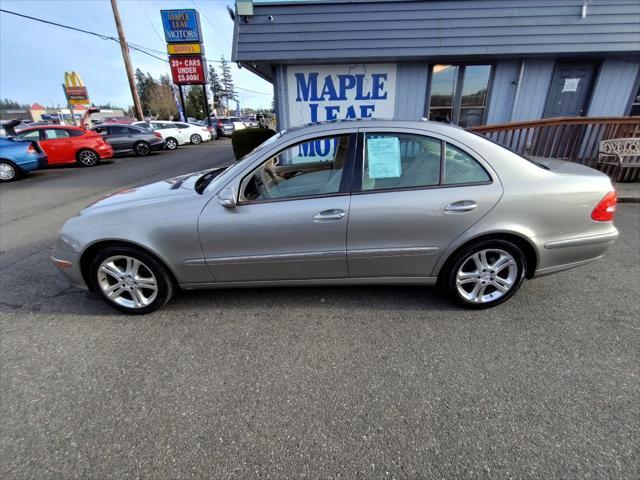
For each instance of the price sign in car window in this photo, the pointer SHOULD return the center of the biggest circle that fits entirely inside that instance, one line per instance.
(383, 156)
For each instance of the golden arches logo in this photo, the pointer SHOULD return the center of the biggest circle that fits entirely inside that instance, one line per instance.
(72, 79)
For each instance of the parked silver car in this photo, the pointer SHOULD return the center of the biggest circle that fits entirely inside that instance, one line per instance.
(367, 202)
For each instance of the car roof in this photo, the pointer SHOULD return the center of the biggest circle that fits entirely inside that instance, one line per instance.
(114, 125)
(42, 127)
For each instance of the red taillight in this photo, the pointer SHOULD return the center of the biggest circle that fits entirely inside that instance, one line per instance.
(606, 209)
(157, 134)
(31, 148)
(220, 123)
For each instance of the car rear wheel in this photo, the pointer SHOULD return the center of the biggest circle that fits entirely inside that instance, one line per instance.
(87, 158)
(196, 139)
(8, 171)
(131, 280)
(142, 149)
(485, 274)
(171, 143)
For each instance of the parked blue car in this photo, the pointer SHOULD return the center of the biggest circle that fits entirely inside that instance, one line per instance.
(18, 157)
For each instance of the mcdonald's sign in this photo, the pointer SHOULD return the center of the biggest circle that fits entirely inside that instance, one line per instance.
(75, 90)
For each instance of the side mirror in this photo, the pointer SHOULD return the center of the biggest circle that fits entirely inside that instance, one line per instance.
(227, 198)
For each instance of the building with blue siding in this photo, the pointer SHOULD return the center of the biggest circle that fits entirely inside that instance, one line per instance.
(468, 62)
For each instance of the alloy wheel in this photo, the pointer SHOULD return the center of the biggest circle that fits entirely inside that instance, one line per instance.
(196, 139)
(142, 149)
(127, 281)
(88, 158)
(7, 171)
(487, 275)
(171, 144)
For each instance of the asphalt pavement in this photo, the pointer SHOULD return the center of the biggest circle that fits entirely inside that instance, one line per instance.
(351, 382)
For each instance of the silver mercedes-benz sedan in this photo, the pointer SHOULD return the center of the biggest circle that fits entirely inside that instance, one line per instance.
(367, 202)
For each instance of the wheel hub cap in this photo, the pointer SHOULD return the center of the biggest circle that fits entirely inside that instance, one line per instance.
(486, 276)
(6, 171)
(127, 281)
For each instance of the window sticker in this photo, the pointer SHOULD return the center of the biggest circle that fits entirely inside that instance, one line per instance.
(570, 85)
(383, 156)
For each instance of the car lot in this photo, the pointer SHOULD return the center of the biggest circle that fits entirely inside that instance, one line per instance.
(368, 382)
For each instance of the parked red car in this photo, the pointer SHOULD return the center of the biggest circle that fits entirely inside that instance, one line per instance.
(68, 145)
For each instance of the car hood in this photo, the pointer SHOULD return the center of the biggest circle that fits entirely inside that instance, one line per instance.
(164, 190)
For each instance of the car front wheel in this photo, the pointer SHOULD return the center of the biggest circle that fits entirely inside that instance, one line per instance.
(196, 139)
(8, 171)
(130, 280)
(87, 158)
(485, 274)
(171, 144)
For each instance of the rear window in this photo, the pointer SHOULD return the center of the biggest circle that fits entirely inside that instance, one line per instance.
(75, 133)
(181, 125)
(225, 121)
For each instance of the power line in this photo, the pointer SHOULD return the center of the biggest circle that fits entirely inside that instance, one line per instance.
(206, 17)
(132, 46)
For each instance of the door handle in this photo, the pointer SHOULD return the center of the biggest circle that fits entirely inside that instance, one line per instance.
(326, 215)
(461, 206)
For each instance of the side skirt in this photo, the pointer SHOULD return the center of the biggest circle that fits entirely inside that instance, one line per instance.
(312, 283)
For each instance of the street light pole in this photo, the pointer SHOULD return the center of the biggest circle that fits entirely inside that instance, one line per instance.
(127, 61)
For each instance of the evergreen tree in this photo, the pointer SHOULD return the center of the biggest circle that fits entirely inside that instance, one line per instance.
(144, 85)
(194, 102)
(227, 82)
(217, 89)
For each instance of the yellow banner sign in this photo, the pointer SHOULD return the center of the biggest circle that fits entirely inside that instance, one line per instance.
(184, 48)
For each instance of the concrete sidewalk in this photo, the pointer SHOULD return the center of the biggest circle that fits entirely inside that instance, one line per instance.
(628, 192)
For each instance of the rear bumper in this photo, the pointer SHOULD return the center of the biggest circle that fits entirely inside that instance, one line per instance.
(563, 254)
(105, 151)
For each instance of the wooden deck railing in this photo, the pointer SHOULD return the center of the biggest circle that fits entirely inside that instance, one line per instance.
(576, 139)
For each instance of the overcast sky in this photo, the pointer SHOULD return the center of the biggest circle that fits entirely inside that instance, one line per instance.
(34, 56)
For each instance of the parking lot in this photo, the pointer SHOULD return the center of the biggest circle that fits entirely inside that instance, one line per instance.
(352, 382)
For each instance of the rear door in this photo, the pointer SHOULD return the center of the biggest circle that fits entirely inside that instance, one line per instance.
(120, 138)
(413, 195)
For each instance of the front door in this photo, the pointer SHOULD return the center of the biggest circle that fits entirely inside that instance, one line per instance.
(290, 219)
(58, 145)
(570, 90)
(406, 210)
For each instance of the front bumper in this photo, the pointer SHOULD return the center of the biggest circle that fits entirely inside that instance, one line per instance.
(68, 261)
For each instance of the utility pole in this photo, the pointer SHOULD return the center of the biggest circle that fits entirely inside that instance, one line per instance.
(127, 61)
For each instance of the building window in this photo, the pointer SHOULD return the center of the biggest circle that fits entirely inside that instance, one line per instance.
(458, 94)
(635, 104)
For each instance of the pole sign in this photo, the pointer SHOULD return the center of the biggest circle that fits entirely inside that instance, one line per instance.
(187, 70)
(75, 90)
(181, 26)
(336, 92)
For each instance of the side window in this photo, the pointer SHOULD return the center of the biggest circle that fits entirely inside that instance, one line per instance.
(311, 168)
(460, 167)
(102, 130)
(75, 133)
(133, 131)
(33, 136)
(399, 160)
(54, 133)
(119, 130)
(181, 125)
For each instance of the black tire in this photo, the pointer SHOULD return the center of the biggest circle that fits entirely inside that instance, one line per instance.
(463, 263)
(87, 158)
(163, 278)
(171, 143)
(142, 149)
(195, 139)
(9, 171)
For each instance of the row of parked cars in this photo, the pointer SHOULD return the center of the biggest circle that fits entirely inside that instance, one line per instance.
(27, 147)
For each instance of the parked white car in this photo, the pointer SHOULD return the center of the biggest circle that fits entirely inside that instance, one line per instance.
(238, 123)
(178, 133)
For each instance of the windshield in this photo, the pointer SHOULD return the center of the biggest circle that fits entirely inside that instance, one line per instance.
(203, 182)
